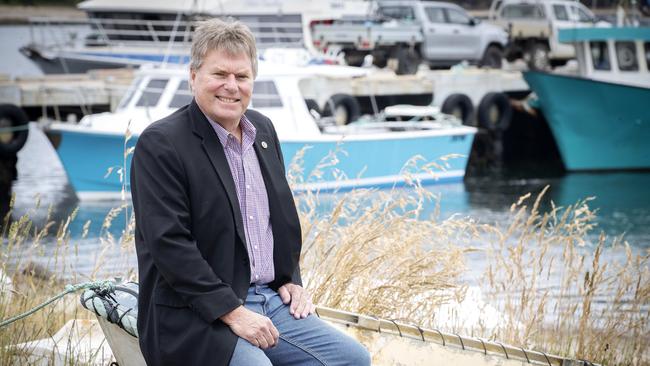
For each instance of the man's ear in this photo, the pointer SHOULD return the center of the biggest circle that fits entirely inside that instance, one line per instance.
(191, 80)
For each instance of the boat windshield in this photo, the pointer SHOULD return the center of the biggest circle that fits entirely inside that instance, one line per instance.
(265, 95)
(152, 93)
(129, 93)
(182, 95)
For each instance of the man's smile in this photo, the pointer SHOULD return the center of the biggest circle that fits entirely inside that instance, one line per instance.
(228, 100)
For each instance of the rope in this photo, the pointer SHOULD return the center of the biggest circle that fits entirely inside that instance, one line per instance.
(16, 128)
(103, 286)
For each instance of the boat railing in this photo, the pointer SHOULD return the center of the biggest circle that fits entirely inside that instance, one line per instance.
(153, 33)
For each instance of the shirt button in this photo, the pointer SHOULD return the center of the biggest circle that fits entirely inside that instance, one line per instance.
(256, 247)
(257, 276)
(248, 186)
(250, 217)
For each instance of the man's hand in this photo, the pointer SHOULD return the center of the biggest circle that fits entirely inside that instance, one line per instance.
(300, 300)
(253, 327)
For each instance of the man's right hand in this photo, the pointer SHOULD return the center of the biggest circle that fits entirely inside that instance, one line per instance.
(253, 327)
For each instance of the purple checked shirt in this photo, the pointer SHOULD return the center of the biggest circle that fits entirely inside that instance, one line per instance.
(253, 200)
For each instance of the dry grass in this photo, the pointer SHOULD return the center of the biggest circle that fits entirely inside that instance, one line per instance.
(373, 252)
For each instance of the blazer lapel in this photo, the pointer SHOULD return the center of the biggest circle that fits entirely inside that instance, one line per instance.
(214, 150)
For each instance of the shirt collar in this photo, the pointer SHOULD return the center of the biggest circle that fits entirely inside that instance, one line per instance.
(248, 131)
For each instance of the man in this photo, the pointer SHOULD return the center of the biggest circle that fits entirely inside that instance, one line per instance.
(217, 232)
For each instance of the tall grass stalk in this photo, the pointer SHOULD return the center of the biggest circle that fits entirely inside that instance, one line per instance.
(374, 252)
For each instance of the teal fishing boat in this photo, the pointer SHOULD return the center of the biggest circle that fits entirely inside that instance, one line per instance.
(599, 116)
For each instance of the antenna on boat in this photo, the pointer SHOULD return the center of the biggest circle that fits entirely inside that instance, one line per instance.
(172, 39)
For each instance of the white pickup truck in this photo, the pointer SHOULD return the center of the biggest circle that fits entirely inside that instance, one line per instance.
(533, 28)
(438, 33)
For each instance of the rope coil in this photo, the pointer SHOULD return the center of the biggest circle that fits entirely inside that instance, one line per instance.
(106, 285)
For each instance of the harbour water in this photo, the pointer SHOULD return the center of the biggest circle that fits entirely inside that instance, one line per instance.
(621, 200)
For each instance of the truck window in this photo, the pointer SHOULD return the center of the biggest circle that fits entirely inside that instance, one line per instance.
(457, 17)
(581, 15)
(647, 55)
(626, 56)
(397, 12)
(435, 15)
(515, 11)
(600, 55)
(560, 12)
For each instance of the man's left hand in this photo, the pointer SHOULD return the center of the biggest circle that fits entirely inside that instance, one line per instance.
(298, 298)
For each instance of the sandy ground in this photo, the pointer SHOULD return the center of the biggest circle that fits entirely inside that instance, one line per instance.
(20, 14)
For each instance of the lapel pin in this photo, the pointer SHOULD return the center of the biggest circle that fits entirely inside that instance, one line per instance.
(264, 145)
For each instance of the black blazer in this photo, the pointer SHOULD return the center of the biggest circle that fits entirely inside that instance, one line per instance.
(192, 258)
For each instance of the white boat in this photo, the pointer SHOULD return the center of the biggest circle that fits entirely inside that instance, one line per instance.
(370, 153)
(132, 32)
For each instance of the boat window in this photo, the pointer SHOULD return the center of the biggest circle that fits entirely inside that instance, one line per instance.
(522, 11)
(647, 55)
(457, 17)
(560, 12)
(129, 93)
(600, 55)
(397, 12)
(182, 96)
(626, 56)
(151, 95)
(435, 15)
(266, 95)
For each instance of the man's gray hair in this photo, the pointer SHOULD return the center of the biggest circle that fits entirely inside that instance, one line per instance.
(228, 35)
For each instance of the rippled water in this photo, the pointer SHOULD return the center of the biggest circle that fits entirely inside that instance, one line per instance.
(621, 199)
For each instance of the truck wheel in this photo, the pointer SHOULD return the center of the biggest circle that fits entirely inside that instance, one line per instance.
(460, 106)
(354, 57)
(408, 60)
(494, 112)
(537, 57)
(343, 107)
(492, 58)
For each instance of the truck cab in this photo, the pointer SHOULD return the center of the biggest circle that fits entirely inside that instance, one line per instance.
(533, 26)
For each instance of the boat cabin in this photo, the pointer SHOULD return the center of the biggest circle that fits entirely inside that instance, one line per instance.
(617, 55)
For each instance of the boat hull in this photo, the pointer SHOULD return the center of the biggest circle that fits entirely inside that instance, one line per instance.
(93, 161)
(82, 61)
(597, 125)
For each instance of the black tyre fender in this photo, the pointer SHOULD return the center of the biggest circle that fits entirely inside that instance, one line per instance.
(348, 102)
(494, 112)
(492, 57)
(12, 117)
(460, 106)
(312, 106)
(379, 59)
(408, 60)
(537, 57)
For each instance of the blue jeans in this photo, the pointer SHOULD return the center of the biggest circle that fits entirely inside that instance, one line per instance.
(308, 341)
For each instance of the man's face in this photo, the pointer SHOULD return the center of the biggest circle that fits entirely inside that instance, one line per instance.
(223, 86)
